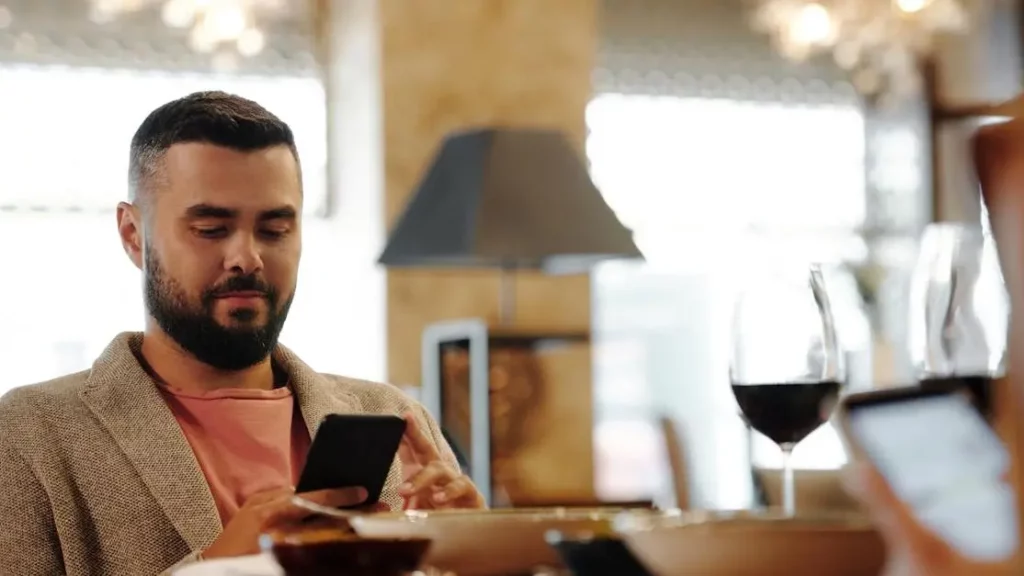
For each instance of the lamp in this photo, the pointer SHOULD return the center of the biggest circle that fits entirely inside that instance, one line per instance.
(509, 199)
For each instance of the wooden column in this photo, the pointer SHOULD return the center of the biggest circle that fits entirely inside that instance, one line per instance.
(451, 64)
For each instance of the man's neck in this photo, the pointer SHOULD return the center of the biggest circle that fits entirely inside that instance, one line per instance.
(175, 367)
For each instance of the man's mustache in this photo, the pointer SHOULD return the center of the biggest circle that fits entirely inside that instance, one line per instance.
(250, 283)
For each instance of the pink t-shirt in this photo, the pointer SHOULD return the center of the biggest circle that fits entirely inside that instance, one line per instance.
(246, 441)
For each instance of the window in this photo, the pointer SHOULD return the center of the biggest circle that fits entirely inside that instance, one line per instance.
(88, 135)
(710, 189)
(68, 287)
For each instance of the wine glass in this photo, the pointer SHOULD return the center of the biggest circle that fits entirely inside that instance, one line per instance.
(959, 312)
(786, 367)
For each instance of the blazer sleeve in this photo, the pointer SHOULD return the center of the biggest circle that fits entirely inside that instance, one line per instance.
(28, 538)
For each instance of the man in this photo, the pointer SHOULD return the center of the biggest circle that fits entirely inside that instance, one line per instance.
(913, 550)
(183, 442)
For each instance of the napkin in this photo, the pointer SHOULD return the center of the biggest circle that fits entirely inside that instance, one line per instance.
(260, 565)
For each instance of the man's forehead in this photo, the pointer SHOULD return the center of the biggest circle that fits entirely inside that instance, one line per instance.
(191, 155)
(240, 182)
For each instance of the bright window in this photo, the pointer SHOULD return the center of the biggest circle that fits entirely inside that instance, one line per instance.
(710, 188)
(64, 153)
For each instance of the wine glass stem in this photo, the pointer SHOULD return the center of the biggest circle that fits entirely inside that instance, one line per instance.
(788, 483)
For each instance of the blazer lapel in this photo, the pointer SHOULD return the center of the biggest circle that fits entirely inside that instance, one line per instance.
(317, 397)
(127, 402)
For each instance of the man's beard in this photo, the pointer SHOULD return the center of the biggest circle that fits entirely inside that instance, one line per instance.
(197, 331)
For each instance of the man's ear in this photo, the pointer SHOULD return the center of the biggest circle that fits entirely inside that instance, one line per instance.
(129, 228)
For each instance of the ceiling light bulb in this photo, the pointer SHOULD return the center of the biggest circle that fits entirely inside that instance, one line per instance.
(251, 42)
(5, 17)
(912, 6)
(226, 21)
(201, 40)
(103, 11)
(178, 13)
(812, 25)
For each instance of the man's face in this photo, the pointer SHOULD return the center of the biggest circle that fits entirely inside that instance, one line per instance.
(222, 249)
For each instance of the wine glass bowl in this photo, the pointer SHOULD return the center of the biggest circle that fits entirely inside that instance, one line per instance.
(959, 311)
(786, 368)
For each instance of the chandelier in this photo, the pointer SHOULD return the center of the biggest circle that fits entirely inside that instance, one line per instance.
(879, 42)
(213, 24)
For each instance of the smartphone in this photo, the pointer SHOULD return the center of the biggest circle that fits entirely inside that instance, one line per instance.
(943, 460)
(352, 450)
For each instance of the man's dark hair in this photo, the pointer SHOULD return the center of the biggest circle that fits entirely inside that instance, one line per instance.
(210, 117)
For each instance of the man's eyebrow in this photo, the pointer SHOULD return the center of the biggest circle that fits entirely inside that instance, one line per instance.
(283, 213)
(210, 211)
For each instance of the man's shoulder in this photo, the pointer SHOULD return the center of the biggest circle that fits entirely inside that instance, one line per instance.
(32, 411)
(32, 397)
(374, 397)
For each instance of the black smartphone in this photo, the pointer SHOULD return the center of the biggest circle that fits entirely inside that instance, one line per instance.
(943, 460)
(352, 450)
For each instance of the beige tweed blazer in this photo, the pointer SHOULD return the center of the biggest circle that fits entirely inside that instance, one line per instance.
(96, 477)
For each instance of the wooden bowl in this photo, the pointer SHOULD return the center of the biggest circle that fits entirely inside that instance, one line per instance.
(749, 543)
(322, 551)
(486, 543)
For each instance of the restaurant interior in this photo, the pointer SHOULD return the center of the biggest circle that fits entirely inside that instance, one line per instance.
(560, 225)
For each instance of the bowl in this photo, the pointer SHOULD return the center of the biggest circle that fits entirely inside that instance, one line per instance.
(595, 553)
(323, 551)
(751, 543)
(486, 542)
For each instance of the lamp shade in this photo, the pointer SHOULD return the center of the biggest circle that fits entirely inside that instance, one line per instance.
(509, 198)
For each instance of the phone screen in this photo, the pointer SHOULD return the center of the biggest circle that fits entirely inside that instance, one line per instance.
(947, 464)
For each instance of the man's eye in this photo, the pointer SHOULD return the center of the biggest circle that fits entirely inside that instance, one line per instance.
(216, 232)
(273, 234)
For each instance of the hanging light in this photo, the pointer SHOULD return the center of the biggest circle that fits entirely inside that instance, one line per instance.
(213, 25)
(879, 42)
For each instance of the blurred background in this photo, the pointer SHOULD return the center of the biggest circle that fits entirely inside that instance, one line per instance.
(724, 134)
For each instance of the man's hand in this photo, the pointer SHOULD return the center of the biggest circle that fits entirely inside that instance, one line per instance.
(271, 509)
(428, 482)
(912, 549)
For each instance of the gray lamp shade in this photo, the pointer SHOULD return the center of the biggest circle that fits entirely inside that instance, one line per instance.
(507, 198)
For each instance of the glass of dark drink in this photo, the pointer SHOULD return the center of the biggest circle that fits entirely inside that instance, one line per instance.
(959, 312)
(786, 366)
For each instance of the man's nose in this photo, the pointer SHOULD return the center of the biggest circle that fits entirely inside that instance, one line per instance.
(243, 255)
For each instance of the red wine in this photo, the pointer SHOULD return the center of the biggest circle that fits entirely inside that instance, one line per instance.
(786, 413)
(979, 387)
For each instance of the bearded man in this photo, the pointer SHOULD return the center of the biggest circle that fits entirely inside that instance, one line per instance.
(184, 442)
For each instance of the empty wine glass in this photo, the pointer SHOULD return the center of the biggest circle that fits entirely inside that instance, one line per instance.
(959, 311)
(786, 367)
